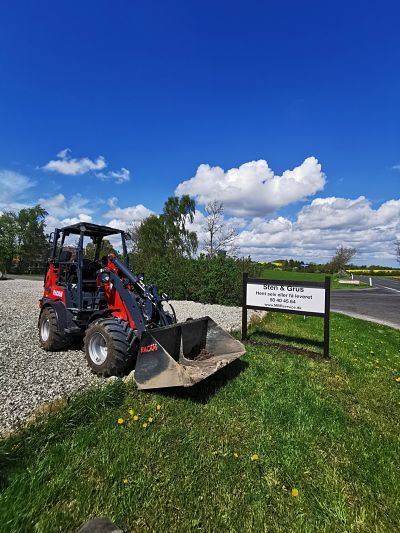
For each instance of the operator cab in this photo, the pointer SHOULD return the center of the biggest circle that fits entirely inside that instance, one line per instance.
(75, 264)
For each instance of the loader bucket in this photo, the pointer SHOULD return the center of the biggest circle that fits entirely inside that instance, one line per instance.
(184, 354)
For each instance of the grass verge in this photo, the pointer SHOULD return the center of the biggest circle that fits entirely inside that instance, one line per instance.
(230, 454)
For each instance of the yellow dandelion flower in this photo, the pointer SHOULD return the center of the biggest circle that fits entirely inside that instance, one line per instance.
(235, 455)
(120, 421)
(295, 493)
(145, 424)
(136, 417)
(125, 481)
(254, 457)
(398, 380)
(150, 419)
(158, 407)
(131, 412)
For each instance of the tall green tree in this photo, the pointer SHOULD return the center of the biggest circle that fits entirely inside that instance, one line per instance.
(32, 241)
(167, 234)
(22, 237)
(151, 238)
(177, 214)
(8, 239)
(106, 248)
(341, 259)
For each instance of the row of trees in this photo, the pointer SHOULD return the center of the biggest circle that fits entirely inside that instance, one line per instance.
(23, 242)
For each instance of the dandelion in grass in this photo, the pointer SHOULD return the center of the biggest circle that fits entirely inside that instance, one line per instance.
(295, 493)
(120, 421)
(254, 457)
(235, 455)
(150, 420)
(125, 481)
(136, 418)
(158, 407)
(131, 412)
(145, 425)
(398, 380)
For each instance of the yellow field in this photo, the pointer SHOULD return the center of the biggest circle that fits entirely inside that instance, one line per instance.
(377, 272)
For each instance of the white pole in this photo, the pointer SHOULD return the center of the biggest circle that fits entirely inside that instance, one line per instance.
(370, 282)
(352, 276)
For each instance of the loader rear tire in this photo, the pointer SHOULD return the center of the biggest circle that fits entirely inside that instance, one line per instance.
(50, 338)
(110, 347)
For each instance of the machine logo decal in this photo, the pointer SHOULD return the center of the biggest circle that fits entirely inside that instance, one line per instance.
(60, 294)
(149, 348)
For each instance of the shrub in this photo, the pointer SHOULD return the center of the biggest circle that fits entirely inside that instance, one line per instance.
(215, 280)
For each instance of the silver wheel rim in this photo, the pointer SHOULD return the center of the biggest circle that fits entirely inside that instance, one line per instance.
(97, 348)
(45, 330)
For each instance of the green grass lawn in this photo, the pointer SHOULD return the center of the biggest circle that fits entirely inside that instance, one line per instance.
(326, 428)
(307, 276)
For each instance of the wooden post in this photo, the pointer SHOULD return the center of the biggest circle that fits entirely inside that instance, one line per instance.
(244, 306)
(327, 313)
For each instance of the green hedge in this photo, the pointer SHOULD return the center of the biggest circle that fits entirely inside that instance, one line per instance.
(216, 280)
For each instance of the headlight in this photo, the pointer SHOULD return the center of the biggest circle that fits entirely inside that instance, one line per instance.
(104, 277)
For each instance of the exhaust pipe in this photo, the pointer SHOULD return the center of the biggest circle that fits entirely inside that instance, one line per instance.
(183, 354)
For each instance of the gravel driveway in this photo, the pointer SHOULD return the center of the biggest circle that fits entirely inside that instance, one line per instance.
(30, 376)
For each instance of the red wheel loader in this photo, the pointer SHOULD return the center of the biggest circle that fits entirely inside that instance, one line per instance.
(125, 323)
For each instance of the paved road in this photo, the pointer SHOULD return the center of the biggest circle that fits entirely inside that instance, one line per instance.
(379, 304)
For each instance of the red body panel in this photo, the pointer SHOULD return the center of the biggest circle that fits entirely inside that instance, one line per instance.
(114, 300)
(52, 290)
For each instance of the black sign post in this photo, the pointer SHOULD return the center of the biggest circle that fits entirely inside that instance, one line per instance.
(326, 314)
(292, 298)
(244, 306)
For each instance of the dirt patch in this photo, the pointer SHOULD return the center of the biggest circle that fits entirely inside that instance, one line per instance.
(203, 355)
(289, 348)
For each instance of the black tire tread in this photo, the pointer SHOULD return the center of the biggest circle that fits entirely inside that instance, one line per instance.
(121, 358)
(57, 341)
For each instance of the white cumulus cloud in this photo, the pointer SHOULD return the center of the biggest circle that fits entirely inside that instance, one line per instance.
(323, 225)
(60, 206)
(254, 189)
(13, 189)
(65, 164)
(119, 176)
(55, 222)
(70, 166)
(123, 217)
(336, 213)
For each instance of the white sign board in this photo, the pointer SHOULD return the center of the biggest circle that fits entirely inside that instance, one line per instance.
(286, 297)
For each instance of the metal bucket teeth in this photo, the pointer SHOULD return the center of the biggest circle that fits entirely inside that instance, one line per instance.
(184, 354)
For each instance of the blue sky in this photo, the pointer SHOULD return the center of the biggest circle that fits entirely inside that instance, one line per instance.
(160, 88)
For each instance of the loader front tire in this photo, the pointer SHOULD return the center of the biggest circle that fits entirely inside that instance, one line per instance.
(110, 347)
(50, 338)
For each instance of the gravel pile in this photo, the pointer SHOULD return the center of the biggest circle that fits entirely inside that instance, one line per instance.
(30, 376)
